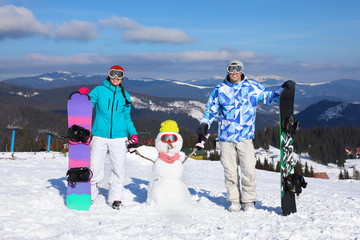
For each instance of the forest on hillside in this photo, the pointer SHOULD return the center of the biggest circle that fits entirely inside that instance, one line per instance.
(324, 144)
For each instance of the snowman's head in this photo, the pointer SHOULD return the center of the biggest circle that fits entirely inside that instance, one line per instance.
(169, 140)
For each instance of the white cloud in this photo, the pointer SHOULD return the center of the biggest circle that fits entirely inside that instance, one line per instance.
(187, 57)
(135, 32)
(19, 22)
(156, 35)
(217, 55)
(180, 66)
(319, 66)
(123, 23)
(76, 30)
(80, 59)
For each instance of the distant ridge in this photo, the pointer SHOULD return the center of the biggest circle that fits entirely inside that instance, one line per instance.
(344, 90)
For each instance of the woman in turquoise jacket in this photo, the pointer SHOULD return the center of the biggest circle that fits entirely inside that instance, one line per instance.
(110, 131)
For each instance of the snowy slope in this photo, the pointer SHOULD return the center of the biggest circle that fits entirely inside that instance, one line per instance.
(332, 170)
(33, 189)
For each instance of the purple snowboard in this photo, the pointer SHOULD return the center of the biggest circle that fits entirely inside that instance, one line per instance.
(80, 113)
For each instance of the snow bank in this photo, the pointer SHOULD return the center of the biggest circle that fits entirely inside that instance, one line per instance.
(33, 192)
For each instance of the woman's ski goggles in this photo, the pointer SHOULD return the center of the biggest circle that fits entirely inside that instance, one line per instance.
(234, 68)
(116, 73)
(169, 138)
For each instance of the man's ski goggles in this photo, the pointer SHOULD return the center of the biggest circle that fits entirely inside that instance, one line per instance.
(169, 138)
(116, 73)
(234, 68)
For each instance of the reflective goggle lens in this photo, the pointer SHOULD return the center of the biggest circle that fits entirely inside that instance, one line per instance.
(234, 68)
(169, 138)
(116, 73)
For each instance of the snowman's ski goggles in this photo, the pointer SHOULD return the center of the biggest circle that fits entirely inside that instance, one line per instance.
(169, 138)
(234, 68)
(116, 73)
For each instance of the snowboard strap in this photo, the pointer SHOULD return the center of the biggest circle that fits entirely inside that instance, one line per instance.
(78, 135)
(295, 183)
(75, 175)
(291, 126)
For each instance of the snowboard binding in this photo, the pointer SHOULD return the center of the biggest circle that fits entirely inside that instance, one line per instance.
(75, 175)
(291, 126)
(295, 183)
(78, 135)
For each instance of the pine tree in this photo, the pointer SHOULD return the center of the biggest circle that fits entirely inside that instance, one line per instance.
(306, 172)
(258, 164)
(341, 175)
(298, 168)
(346, 174)
(311, 172)
(278, 166)
(266, 164)
(5, 144)
(356, 174)
(214, 156)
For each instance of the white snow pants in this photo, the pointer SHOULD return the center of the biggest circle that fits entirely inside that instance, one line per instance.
(242, 153)
(117, 155)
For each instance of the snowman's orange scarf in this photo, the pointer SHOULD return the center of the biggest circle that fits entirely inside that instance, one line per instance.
(168, 159)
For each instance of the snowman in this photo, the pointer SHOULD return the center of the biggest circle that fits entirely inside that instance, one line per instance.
(167, 190)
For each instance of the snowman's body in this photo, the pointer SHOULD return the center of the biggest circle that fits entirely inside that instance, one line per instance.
(168, 189)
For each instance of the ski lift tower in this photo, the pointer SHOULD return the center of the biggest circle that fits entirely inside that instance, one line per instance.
(13, 127)
(50, 132)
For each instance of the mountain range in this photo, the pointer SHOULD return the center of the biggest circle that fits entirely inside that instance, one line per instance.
(330, 113)
(346, 90)
(328, 103)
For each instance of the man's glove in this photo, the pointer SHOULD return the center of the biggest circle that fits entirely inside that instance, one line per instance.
(288, 84)
(132, 143)
(83, 90)
(203, 129)
(203, 134)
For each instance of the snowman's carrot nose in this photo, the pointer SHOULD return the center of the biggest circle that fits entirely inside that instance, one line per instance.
(169, 142)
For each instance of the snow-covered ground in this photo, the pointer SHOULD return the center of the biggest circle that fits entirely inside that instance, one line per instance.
(33, 192)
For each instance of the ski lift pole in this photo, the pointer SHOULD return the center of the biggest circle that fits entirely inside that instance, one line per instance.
(49, 132)
(13, 127)
(12, 141)
(49, 141)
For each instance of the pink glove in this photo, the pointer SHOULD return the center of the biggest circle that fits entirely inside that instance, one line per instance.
(83, 90)
(134, 139)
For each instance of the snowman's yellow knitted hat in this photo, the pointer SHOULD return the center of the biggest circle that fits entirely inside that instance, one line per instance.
(169, 126)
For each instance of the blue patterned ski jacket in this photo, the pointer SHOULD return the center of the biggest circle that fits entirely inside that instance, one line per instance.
(236, 105)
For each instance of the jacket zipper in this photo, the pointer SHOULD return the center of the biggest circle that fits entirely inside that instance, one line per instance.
(112, 109)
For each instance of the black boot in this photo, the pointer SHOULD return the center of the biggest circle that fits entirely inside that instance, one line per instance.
(117, 205)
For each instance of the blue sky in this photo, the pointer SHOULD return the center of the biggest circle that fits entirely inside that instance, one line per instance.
(308, 41)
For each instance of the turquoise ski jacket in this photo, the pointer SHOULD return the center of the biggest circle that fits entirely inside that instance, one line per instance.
(112, 118)
(236, 105)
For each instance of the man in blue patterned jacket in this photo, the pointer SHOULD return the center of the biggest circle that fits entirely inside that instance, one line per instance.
(235, 101)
